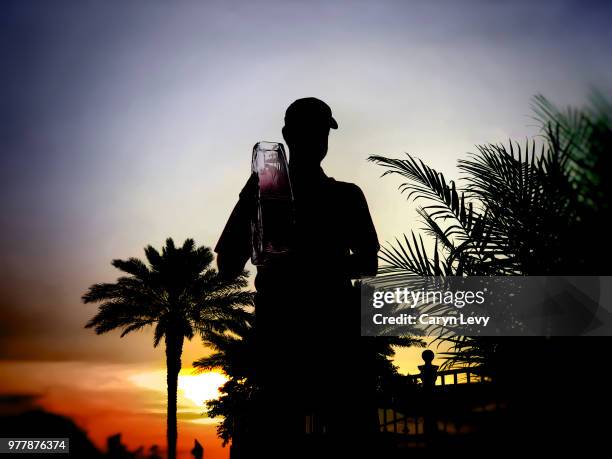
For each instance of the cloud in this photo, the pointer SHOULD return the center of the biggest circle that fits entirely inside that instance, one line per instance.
(44, 321)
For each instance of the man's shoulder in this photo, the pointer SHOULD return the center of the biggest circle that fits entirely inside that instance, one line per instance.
(345, 188)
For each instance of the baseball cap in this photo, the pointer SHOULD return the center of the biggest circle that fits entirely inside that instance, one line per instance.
(308, 110)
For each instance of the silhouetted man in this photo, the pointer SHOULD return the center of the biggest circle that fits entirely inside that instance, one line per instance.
(307, 315)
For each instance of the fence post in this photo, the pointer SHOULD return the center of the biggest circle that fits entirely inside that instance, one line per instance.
(429, 374)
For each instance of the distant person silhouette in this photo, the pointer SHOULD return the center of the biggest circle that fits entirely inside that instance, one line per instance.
(198, 451)
(307, 314)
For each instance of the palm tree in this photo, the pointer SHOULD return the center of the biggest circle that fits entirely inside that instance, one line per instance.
(524, 210)
(180, 296)
(234, 354)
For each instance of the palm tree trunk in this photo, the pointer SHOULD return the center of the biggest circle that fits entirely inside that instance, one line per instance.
(174, 349)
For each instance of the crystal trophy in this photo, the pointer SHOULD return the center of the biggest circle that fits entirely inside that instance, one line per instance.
(271, 227)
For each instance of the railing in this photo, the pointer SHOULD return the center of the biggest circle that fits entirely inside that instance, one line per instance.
(418, 415)
(430, 376)
(457, 376)
(426, 414)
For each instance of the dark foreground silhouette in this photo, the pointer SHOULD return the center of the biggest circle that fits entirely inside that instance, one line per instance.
(37, 423)
(42, 424)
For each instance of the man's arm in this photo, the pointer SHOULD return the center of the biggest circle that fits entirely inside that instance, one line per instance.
(234, 246)
(364, 246)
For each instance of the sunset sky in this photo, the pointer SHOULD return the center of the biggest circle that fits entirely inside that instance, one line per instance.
(124, 123)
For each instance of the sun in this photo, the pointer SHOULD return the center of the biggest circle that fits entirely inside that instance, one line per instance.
(193, 389)
(202, 387)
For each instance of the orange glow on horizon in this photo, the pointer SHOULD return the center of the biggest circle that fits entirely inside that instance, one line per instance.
(104, 399)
